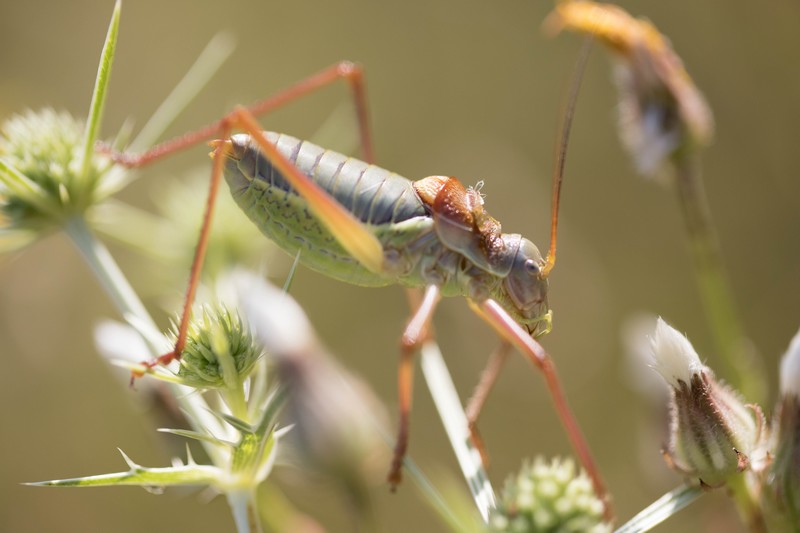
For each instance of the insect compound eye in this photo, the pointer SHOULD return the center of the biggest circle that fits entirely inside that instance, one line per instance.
(531, 267)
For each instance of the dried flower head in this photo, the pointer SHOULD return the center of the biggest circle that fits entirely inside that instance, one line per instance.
(783, 475)
(713, 433)
(661, 110)
(549, 496)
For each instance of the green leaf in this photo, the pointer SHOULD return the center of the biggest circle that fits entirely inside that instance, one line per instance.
(205, 67)
(237, 423)
(274, 404)
(20, 185)
(195, 435)
(100, 90)
(661, 509)
(191, 474)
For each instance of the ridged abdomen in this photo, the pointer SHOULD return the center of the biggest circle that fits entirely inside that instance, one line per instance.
(384, 201)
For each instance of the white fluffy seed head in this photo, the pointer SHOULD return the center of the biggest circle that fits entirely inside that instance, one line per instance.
(673, 355)
(790, 368)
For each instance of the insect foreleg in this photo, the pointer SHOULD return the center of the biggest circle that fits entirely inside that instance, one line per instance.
(507, 327)
(414, 335)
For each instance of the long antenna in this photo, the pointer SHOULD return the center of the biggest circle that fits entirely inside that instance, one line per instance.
(561, 150)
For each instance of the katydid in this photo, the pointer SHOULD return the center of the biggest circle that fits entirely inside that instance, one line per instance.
(359, 223)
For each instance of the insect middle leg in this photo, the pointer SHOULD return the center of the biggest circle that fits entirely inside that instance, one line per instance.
(415, 334)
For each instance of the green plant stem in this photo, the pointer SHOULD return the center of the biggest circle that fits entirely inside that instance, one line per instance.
(743, 369)
(245, 510)
(216, 52)
(662, 508)
(112, 280)
(234, 399)
(126, 300)
(456, 426)
(749, 509)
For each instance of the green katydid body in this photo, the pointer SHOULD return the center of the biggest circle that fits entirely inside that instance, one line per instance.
(433, 231)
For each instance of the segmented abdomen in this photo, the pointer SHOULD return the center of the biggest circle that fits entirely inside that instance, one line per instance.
(384, 201)
(374, 195)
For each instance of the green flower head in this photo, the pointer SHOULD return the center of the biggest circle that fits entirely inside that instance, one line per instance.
(549, 497)
(43, 178)
(219, 352)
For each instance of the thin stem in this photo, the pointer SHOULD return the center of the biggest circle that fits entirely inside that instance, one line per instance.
(661, 509)
(252, 513)
(744, 370)
(234, 399)
(133, 311)
(455, 424)
(113, 280)
(204, 68)
(750, 511)
(244, 509)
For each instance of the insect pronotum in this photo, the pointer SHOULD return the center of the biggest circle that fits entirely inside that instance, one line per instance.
(359, 223)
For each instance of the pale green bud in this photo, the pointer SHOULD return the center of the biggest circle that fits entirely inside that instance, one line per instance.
(41, 179)
(549, 497)
(219, 351)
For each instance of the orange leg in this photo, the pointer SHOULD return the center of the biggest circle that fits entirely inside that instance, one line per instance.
(414, 335)
(481, 393)
(342, 224)
(512, 332)
(350, 72)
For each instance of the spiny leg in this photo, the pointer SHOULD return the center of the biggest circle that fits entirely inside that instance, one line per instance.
(197, 264)
(509, 330)
(346, 70)
(475, 404)
(346, 228)
(414, 335)
(352, 73)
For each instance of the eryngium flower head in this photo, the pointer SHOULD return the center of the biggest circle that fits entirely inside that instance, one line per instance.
(549, 497)
(712, 433)
(43, 179)
(783, 476)
(219, 351)
(661, 110)
(334, 415)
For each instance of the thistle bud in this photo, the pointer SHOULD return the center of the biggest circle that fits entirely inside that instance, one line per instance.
(712, 433)
(42, 177)
(783, 476)
(661, 111)
(335, 417)
(549, 496)
(219, 351)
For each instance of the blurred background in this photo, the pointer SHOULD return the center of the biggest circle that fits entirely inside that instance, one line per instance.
(470, 89)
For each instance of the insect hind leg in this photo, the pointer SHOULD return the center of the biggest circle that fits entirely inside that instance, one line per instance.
(351, 73)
